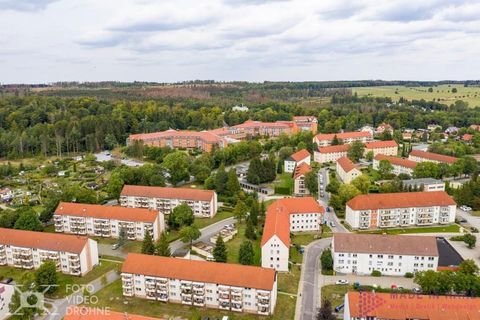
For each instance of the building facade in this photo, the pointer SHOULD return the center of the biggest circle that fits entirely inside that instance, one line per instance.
(400, 165)
(347, 170)
(164, 199)
(301, 156)
(403, 209)
(306, 123)
(299, 187)
(388, 148)
(424, 184)
(285, 216)
(223, 286)
(325, 139)
(330, 153)
(108, 221)
(422, 156)
(392, 255)
(72, 255)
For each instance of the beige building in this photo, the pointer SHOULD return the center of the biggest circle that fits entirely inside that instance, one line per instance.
(421, 156)
(330, 153)
(388, 148)
(300, 189)
(347, 170)
(325, 139)
(73, 255)
(224, 286)
(400, 165)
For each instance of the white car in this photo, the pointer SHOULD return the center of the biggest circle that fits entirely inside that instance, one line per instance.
(465, 208)
(341, 281)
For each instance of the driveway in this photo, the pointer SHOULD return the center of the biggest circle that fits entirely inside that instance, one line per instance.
(383, 281)
(329, 216)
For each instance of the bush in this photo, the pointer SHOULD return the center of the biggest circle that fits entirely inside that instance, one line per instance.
(283, 190)
(376, 273)
(409, 275)
(456, 238)
(327, 272)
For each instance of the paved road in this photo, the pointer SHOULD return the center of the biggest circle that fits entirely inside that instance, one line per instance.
(309, 294)
(323, 180)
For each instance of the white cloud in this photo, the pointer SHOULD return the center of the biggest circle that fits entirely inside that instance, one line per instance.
(238, 40)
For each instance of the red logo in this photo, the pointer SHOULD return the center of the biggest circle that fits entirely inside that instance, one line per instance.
(369, 302)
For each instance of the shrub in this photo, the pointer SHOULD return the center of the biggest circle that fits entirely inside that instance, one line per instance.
(376, 273)
(409, 275)
(456, 238)
(283, 190)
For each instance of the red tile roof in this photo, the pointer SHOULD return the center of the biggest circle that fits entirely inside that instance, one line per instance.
(277, 221)
(381, 144)
(300, 155)
(467, 137)
(106, 212)
(386, 244)
(203, 135)
(346, 164)
(42, 240)
(200, 271)
(334, 149)
(304, 118)
(260, 124)
(400, 200)
(399, 306)
(301, 169)
(167, 193)
(343, 135)
(85, 313)
(433, 156)
(397, 161)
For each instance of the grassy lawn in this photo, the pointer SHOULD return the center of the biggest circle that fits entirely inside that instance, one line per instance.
(454, 228)
(221, 215)
(111, 297)
(288, 281)
(441, 93)
(285, 180)
(233, 246)
(63, 280)
(335, 293)
(304, 238)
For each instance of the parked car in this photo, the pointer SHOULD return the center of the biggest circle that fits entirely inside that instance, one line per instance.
(465, 208)
(341, 281)
(339, 307)
(115, 246)
(416, 290)
(332, 224)
(6, 280)
(463, 220)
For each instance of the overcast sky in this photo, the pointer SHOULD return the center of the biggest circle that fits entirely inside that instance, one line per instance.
(254, 40)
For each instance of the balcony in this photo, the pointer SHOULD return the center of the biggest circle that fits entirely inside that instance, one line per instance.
(263, 302)
(186, 300)
(224, 305)
(224, 297)
(263, 311)
(237, 307)
(128, 292)
(163, 297)
(199, 302)
(186, 286)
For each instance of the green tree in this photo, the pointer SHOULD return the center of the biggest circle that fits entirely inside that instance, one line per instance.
(221, 178)
(369, 156)
(232, 186)
(28, 220)
(362, 183)
(468, 267)
(356, 150)
(246, 253)
(385, 168)
(46, 278)
(122, 236)
(470, 240)
(336, 141)
(326, 260)
(426, 170)
(240, 211)
(255, 171)
(162, 247)
(220, 250)
(180, 216)
(115, 185)
(177, 165)
(254, 212)
(148, 247)
(250, 231)
(326, 311)
(311, 182)
(188, 234)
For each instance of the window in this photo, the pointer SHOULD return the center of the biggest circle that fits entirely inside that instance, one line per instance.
(380, 256)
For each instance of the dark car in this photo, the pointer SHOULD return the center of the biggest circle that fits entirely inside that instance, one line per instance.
(6, 280)
(339, 307)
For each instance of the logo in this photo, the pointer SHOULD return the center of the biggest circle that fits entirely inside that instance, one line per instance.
(369, 302)
(32, 299)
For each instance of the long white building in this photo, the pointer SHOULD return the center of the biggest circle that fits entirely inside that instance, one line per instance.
(424, 156)
(164, 199)
(388, 148)
(330, 153)
(403, 209)
(400, 165)
(392, 255)
(224, 286)
(107, 221)
(285, 216)
(326, 139)
(73, 255)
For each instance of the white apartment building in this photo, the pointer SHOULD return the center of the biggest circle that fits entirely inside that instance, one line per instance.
(73, 255)
(330, 153)
(392, 255)
(164, 199)
(285, 216)
(347, 170)
(299, 157)
(421, 156)
(223, 286)
(400, 165)
(403, 209)
(108, 221)
(388, 148)
(299, 187)
(325, 139)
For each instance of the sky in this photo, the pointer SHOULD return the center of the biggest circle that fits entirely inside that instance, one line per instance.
(43, 41)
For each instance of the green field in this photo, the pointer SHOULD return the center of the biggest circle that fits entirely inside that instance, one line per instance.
(453, 228)
(441, 93)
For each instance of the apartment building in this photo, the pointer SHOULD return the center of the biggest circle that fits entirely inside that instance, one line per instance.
(388, 148)
(107, 221)
(285, 216)
(422, 156)
(301, 156)
(325, 139)
(400, 165)
(73, 255)
(306, 123)
(392, 255)
(347, 170)
(399, 306)
(164, 199)
(403, 209)
(330, 153)
(223, 286)
(270, 129)
(299, 187)
(424, 184)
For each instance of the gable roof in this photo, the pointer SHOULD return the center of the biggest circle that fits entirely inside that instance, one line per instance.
(433, 156)
(200, 271)
(346, 164)
(334, 149)
(106, 212)
(385, 244)
(42, 240)
(300, 155)
(397, 161)
(381, 144)
(167, 193)
(400, 200)
(301, 169)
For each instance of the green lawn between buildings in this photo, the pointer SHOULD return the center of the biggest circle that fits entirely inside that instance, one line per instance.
(453, 228)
